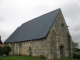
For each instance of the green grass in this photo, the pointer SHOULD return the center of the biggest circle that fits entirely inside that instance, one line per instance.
(19, 58)
(68, 59)
(27, 58)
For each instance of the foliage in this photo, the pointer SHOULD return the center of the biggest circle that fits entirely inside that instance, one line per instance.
(76, 56)
(77, 49)
(1, 50)
(42, 57)
(75, 45)
(5, 50)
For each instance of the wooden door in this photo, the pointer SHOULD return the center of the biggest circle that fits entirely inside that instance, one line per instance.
(62, 51)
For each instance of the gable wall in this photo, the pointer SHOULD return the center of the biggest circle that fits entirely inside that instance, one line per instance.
(62, 36)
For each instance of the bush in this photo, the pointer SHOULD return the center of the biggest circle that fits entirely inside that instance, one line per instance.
(1, 51)
(76, 56)
(42, 57)
(5, 50)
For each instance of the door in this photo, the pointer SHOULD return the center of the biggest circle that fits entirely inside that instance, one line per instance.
(62, 51)
(30, 53)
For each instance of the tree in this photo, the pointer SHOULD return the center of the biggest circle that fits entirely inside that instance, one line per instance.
(0, 40)
(76, 45)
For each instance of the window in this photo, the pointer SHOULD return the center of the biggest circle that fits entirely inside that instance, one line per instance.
(62, 25)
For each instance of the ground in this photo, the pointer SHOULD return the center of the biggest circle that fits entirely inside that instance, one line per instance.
(19, 58)
(68, 59)
(25, 58)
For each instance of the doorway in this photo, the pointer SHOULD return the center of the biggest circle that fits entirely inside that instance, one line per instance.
(30, 53)
(62, 51)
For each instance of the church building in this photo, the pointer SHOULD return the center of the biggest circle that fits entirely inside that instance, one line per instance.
(46, 35)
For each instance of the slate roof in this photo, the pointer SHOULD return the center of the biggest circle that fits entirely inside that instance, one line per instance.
(34, 29)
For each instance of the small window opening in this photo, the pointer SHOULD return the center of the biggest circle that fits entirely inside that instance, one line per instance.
(62, 25)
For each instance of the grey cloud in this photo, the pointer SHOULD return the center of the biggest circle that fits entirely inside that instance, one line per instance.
(77, 28)
(15, 12)
(71, 10)
(1, 19)
(4, 34)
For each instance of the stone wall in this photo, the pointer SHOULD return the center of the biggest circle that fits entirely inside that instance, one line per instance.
(48, 46)
(62, 38)
(1, 45)
(31, 48)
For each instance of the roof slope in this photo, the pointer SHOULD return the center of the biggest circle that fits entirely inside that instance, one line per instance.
(34, 29)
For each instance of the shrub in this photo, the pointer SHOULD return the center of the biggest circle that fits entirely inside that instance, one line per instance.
(1, 51)
(6, 50)
(42, 57)
(76, 56)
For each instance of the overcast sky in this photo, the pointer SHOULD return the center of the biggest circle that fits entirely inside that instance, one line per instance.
(15, 12)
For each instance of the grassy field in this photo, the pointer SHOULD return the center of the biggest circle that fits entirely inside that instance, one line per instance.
(19, 58)
(68, 59)
(26, 58)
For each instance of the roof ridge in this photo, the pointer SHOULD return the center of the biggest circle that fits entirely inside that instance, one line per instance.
(34, 29)
(41, 15)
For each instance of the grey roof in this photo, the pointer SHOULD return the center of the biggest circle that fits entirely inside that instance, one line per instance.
(34, 29)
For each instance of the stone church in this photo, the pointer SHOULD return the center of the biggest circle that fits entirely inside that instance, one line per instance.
(46, 35)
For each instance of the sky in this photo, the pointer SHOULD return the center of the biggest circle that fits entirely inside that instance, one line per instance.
(13, 13)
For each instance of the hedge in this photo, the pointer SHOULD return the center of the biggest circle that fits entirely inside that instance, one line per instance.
(5, 50)
(76, 56)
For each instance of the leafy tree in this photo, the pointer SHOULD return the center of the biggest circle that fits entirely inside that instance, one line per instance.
(76, 45)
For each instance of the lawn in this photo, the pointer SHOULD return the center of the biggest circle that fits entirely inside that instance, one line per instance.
(68, 59)
(26, 58)
(19, 58)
